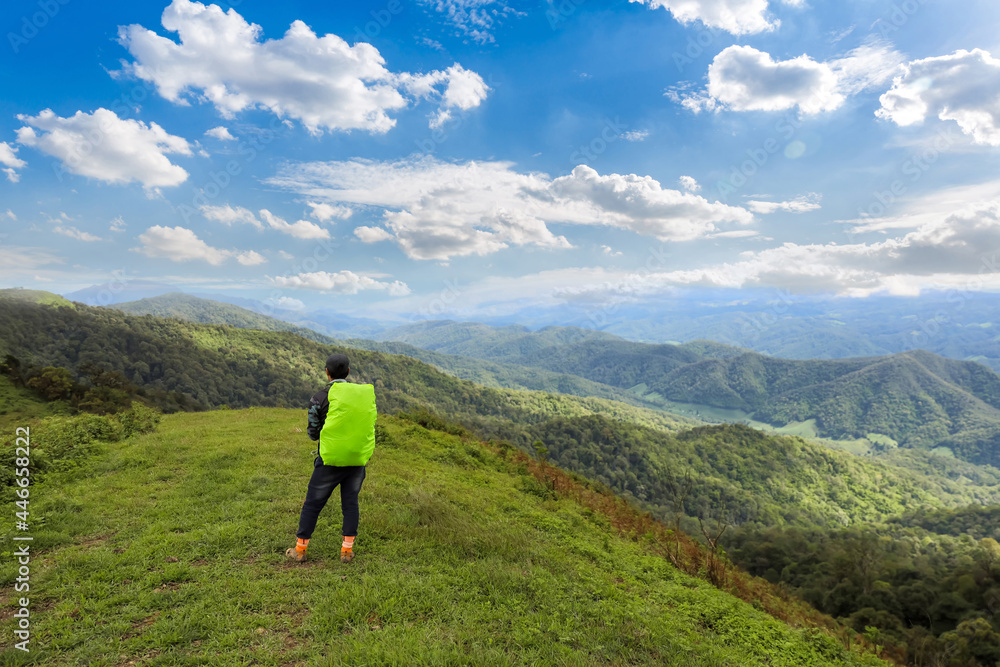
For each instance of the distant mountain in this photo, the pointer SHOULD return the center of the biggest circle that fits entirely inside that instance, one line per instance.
(474, 339)
(912, 399)
(110, 293)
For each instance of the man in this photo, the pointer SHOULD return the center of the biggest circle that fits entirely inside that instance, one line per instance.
(342, 419)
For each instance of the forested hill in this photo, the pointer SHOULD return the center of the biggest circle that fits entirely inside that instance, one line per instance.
(472, 339)
(194, 309)
(491, 374)
(914, 399)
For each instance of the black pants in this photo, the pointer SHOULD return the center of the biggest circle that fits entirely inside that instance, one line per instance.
(324, 480)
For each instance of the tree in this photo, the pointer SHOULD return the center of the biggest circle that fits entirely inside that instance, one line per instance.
(53, 383)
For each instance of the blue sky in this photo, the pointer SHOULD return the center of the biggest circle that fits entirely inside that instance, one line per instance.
(475, 157)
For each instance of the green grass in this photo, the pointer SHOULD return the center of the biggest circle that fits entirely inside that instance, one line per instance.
(167, 550)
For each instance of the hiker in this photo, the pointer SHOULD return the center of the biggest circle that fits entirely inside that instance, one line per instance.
(342, 419)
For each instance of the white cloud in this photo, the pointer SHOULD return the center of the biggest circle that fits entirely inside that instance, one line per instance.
(635, 135)
(9, 159)
(474, 18)
(287, 303)
(285, 255)
(437, 210)
(10, 214)
(227, 215)
(303, 229)
(465, 90)
(945, 252)
(741, 78)
(371, 234)
(323, 82)
(180, 244)
(250, 258)
(103, 146)
(326, 212)
(608, 250)
(689, 184)
(801, 204)
(221, 133)
(117, 225)
(963, 87)
(739, 17)
(74, 233)
(342, 282)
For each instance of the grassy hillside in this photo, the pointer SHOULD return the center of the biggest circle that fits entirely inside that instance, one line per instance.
(912, 399)
(35, 296)
(168, 550)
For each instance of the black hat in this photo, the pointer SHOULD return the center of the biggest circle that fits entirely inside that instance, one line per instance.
(338, 365)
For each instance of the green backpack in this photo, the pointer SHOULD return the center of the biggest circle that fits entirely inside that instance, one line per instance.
(348, 435)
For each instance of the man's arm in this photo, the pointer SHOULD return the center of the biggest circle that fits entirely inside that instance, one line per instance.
(319, 404)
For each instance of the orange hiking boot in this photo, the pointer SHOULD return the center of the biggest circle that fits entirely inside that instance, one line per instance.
(298, 552)
(346, 554)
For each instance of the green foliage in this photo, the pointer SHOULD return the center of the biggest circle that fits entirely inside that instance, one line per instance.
(934, 594)
(917, 399)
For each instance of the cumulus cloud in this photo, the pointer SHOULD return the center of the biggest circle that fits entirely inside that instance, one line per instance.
(326, 212)
(117, 225)
(739, 17)
(10, 214)
(372, 234)
(103, 146)
(342, 282)
(221, 133)
(180, 244)
(689, 184)
(250, 258)
(74, 233)
(437, 210)
(10, 161)
(963, 87)
(302, 229)
(228, 215)
(322, 82)
(741, 78)
(801, 204)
